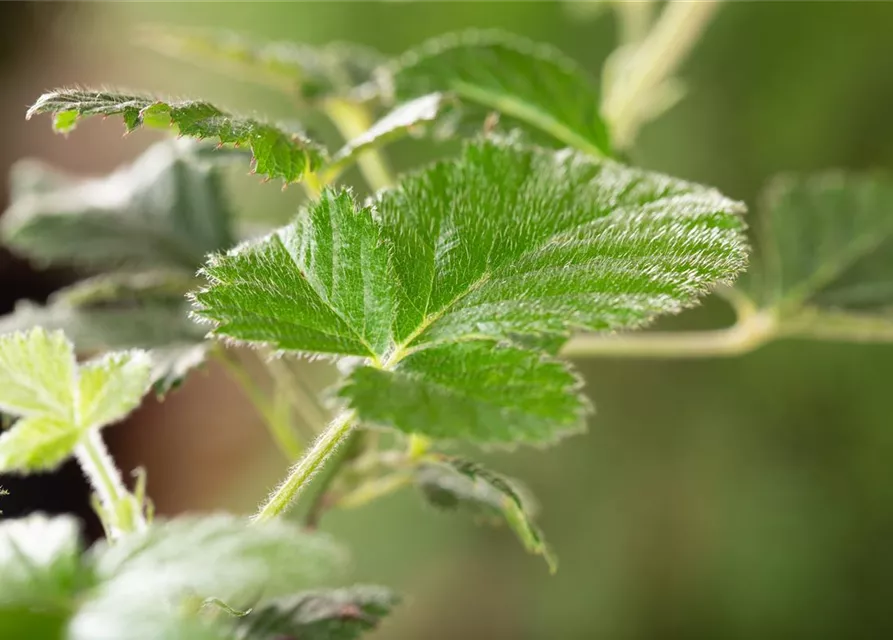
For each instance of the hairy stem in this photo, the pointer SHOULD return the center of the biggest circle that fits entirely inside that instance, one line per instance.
(351, 120)
(321, 500)
(744, 336)
(277, 422)
(301, 473)
(122, 512)
(628, 96)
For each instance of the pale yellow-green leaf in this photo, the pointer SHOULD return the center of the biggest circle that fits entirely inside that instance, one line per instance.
(39, 443)
(111, 387)
(37, 374)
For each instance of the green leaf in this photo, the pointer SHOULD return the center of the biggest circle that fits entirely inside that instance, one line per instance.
(451, 483)
(827, 242)
(470, 261)
(531, 84)
(111, 387)
(123, 311)
(479, 391)
(40, 443)
(59, 402)
(337, 614)
(38, 375)
(400, 122)
(167, 210)
(218, 556)
(310, 71)
(278, 152)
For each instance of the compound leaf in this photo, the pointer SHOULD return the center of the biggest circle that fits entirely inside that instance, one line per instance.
(166, 210)
(39, 443)
(504, 249)
(310, 71)
(38, 375)
(278, 153)
(336, 614)
(452, 483)
(827, 243)
(532, 84)
(111, 387)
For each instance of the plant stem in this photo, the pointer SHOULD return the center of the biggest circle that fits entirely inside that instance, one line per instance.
(301, 473)
(123, 513)
(744, 336)
(671, 39)
(319, 504)
(280, 427)
(352, 119)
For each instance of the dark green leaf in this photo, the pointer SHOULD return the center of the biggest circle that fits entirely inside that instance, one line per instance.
(338, 614)
(529, 83)
(507, 244)
(166, 210)
(451, 483)
(312, 72)
(278, 153)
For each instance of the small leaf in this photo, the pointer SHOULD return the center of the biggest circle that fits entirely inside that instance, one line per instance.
(532, 84)
(59, 403)
(278, 153)
(477, 391)
(827, 243)
(490, 261)
(397, 124)
(167, 210)
(39, 443)
(312, 72)
(111, 387)
(337, 614)
(454, 482)
(37, 375)
(218, 556)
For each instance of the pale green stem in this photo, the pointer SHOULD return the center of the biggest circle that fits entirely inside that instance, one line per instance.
(374, 489)
(634, 19)
(277, 422)
(314, 459)
(746, 335)
(653, 61)
(352, 120)
(123, 513)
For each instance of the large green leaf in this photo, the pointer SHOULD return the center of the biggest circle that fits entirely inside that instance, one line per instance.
(166, 210)
(827, 241)
(309, 71)
(336, 614)
(278, 152)
(123, 311)
(531, 84)
(507, 244)
(59, 402)
(453, 483)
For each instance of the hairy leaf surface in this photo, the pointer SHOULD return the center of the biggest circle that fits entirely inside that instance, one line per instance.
(452, 483)
(310, 71)
(531, 84)
(58, 401)
(337, 614)
(166, 210)
(473, 261)
(278, 152)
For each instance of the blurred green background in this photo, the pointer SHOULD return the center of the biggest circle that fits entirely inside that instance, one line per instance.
(740, 498)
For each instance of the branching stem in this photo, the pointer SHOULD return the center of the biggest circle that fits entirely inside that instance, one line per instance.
(352, 119)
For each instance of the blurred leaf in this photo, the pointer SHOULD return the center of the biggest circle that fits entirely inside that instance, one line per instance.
(507, 243)
(123, 311)
(278, 153)
(338, 614)
(400, 122)
(59, 403)
(166, 210)
(219, 556)
(451, 483)
(530, 83)
(827, 242)
(310, 71)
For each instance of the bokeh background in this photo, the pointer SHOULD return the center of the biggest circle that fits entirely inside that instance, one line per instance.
(739, 498)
